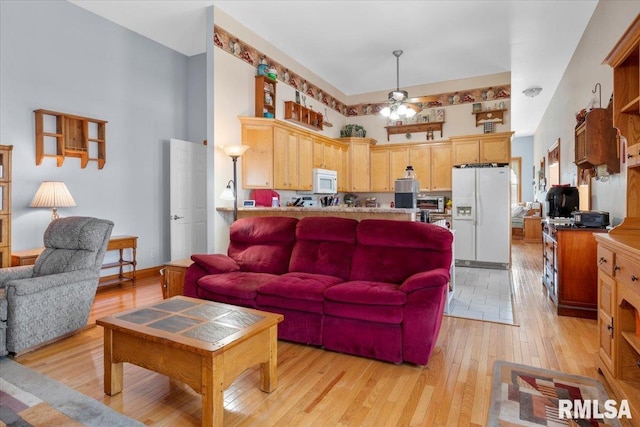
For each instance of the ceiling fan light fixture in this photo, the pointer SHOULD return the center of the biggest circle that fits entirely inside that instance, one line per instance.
(399, 106)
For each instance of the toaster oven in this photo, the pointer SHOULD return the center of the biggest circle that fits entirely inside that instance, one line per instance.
(431, 203)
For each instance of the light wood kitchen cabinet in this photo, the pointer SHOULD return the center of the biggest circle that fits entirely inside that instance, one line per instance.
(358, 163)
(441, 164)
(388, 163)
(305, 162)
(285, 153)
(489, 148)
(618, 310)
(292, 153)
(380, 169)
(257, 161)
(328, 154)
(341, 164)
(398, 162)
(432, 164)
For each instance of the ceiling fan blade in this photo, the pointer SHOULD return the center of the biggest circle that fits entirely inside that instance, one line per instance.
(414, 107)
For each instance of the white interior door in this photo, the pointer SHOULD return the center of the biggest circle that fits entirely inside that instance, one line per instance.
(188, 203)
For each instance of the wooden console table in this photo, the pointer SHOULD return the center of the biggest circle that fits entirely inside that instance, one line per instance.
(119, 243)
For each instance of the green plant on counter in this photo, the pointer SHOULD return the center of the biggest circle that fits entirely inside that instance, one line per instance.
(353, 131)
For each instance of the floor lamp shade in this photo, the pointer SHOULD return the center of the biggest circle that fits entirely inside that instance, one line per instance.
(52, 194)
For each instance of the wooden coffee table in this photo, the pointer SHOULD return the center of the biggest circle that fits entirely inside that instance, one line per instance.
(202, 343)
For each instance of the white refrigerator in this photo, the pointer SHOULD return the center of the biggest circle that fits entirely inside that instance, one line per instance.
(481, 216)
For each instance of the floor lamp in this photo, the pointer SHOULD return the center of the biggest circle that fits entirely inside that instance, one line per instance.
(233, 151)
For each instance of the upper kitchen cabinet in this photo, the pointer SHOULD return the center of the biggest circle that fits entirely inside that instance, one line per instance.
(487, 148)
(358, 163)
(432, 164)
(596, 141)
(292, 152)
(388, 163)
(257, 161)
(624, 58)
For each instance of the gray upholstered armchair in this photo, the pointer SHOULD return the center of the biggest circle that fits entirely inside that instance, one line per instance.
(53, 297)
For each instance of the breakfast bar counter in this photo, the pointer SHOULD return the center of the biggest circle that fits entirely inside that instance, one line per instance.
(334, 211)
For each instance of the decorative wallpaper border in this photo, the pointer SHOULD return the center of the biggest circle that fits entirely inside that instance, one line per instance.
(242, 50)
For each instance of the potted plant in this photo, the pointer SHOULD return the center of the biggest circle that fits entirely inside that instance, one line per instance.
(353, 131)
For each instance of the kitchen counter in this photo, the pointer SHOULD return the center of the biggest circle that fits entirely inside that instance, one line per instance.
(336, 211)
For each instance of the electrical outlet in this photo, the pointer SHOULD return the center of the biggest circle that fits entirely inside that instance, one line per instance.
(153, 254)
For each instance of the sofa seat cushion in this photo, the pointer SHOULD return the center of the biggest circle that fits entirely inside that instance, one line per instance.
(297, 291)
(366, 300)
(239, 284)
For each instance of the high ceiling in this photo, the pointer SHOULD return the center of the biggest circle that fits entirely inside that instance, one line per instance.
(349, 43)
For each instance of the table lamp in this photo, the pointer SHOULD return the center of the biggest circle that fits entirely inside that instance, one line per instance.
(54, 195)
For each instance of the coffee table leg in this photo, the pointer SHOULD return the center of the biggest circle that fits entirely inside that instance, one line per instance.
(113, 372)
(212, 391)
(268, 373)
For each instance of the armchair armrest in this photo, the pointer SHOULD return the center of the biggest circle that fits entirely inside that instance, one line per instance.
(13, 273)
(216, 263)
(426, 279)
(32, 285)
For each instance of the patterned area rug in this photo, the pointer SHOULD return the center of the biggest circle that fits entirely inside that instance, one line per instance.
(28, 398)
(526, 396)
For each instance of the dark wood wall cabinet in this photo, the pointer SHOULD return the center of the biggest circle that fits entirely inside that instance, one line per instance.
(569, 275)
(596, 141)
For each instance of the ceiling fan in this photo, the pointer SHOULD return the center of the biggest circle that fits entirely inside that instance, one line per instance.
(398, 99)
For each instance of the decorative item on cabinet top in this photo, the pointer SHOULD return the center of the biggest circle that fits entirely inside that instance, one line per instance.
(61, 135)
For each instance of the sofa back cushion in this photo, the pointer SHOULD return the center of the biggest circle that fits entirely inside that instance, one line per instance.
(324, 245)
(262, 244)
(391, 251)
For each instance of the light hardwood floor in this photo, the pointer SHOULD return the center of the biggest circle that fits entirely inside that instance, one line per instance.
(322, 388)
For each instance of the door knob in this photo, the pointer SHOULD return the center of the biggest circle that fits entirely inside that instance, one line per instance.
(176, 217)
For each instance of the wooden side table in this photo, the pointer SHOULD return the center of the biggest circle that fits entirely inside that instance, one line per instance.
(27, 257)
(173, 277)
(532, 229)
(116, 243)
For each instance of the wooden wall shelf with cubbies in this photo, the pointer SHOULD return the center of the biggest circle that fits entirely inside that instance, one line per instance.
(61, 135)
(265, 97)
(303, 116)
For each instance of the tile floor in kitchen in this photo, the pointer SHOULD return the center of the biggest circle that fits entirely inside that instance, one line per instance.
(483, 294)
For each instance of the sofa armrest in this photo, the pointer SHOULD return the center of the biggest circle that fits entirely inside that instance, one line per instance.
(426, 279)
(33, 285)
(13, 273)
(216, 263)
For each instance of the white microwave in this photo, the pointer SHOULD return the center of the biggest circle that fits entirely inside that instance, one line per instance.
(325, 181)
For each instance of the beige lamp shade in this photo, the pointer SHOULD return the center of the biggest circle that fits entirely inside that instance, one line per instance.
(52, 194)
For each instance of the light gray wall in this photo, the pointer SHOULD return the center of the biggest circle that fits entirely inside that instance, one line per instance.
(609, 21)
(523, 147)
(57, 56)
(197, 98)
